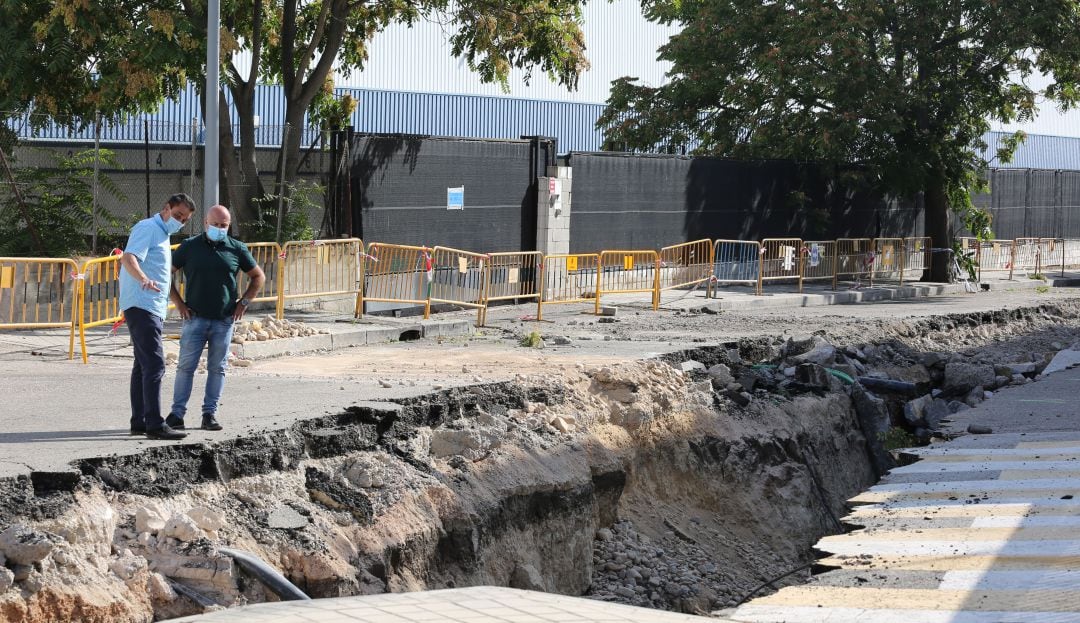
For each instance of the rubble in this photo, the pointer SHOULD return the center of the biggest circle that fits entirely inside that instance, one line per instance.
(270, 328)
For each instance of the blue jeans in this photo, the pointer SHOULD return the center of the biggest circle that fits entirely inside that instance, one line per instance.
(145, 329)
(215, 335)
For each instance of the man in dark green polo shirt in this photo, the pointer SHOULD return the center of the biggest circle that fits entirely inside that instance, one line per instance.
(209, 307)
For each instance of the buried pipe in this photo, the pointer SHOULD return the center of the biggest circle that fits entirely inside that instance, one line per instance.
(889, 385)
(266, 574)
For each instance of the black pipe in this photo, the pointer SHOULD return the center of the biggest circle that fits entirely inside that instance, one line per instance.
(889, 385)
(266, 574)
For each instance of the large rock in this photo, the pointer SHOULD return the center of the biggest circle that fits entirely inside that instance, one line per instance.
(23, 545)
(801, 344)
(812, 374)
(822, 355)
(938, 411)
(526, 577)
(182, 528)
(692, 366)
(721, 376)
(975, 396)
(961, 378)
(207, 519)
(148, 520)
(286, 518)
(7, 578)
(915, 411)
(932, 359)
(875, 421)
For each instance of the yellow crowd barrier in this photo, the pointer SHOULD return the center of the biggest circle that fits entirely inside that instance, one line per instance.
(854, 259)
(396, 273)
(99, 296)
(736, 261)
(459, 278)
(319, 268)
(268, 255)
(629, 272)
(570, 278)
(39, 293)
(819, 260)
(512, 276)
(1053, 254)
(781, 259)
(888, 264)
(685, 265)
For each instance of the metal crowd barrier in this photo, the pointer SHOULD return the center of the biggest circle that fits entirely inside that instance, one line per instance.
(319, 268)
(888, 261)
(995, 256)
(854, 259)
(685, 265)
(39, 293)
(396, 273)
(629, 272)
(736, 261)
(512, 276)
(569, 279)
(918, 254)
(819, 260)
(781, 259)
(459, 278)
(99, 296)
(1070, 252)
(268, 255)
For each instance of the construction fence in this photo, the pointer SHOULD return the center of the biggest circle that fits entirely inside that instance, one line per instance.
(42, 293)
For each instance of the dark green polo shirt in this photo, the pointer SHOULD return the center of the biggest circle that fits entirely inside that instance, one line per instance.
(210, 270)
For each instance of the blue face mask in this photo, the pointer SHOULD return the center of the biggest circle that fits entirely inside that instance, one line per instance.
(173, 225)
(216, 234)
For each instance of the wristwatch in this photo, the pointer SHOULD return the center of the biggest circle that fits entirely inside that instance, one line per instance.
(243, 302)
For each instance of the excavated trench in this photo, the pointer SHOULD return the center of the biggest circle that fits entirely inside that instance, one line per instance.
(685, 483)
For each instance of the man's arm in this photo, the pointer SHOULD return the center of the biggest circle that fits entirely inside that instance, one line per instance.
(174, 296)
(131, 265)
(256, 279)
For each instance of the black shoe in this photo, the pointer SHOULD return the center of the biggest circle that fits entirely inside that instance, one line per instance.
(138, 430)
(174, 422)
(209, 422)
(165, 432)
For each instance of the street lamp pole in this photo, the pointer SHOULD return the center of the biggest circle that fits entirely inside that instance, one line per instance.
(213, 81)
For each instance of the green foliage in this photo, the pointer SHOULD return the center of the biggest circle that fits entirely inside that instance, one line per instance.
(301, 199)
(59, 201)
(532, 340)
(1042, 289)
(905, 89)
(896, 438)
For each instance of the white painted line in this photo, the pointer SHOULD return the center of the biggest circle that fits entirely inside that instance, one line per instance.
(1066, 485)
(852, 546)
(1071, 449)
(985, 466)
(1058, 580)
(909, 500)
(809, 614)
(1026, 522)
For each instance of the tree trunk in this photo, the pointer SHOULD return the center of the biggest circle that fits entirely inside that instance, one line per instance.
(247, 187)
(936, 219)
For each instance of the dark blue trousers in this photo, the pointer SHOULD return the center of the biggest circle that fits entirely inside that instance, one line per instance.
(149, 368)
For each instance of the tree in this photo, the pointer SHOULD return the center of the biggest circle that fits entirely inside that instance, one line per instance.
(295, 43)
(904, 88)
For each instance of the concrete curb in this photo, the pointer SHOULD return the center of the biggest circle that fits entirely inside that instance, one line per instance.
(348, 337)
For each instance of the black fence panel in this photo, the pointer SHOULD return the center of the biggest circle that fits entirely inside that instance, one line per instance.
(400, 188)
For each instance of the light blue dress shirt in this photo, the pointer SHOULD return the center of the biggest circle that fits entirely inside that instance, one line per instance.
(149, 243)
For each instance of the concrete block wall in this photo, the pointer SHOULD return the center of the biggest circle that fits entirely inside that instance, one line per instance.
(553, 211)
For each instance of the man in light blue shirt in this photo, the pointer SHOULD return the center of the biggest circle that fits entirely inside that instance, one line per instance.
(144, 298)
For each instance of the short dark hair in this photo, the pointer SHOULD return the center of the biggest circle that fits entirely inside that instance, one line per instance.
(182, 198)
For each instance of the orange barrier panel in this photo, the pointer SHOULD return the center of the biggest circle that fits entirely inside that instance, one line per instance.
(459, 278)
(687, 264)
(995, 256)
(629, 272)
(39, 293)
(918, 253)
(319, 268)
(569, 279)
(888, 261)
(99, 296)
(736, 261)
(819, 260)
(854, 259)
(396, 273)
(512, 276)
(781, 259)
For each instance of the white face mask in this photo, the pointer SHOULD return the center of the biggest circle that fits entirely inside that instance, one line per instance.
(216, 234)
(173, 225)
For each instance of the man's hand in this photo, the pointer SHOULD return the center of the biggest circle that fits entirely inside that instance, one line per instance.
(150, 284)
(238, 312)
(184, 310)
